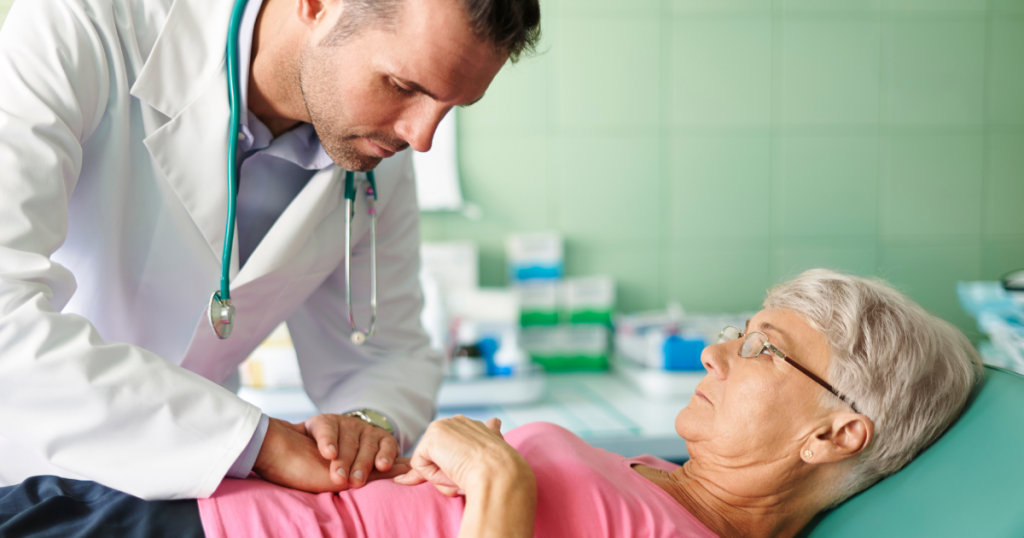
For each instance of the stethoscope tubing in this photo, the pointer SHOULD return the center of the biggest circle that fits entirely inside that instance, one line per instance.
(235, 101)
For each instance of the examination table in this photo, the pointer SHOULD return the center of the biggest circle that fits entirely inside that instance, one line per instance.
(969, 483)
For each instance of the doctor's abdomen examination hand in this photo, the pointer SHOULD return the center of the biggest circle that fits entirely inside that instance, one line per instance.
(291, 458)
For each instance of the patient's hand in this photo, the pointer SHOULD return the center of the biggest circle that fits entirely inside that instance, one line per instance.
(459, 455)
(451, 444)
(291, 458)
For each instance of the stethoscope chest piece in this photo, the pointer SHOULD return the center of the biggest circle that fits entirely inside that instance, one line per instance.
(222, 315)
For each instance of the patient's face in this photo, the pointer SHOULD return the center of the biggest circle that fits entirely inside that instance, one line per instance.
(761, 409)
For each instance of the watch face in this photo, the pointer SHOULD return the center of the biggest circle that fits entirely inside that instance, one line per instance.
(379, 420)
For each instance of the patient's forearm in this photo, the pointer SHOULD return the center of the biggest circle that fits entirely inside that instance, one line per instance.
(503, 506)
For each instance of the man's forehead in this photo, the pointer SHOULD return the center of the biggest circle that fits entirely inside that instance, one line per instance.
(434, 47)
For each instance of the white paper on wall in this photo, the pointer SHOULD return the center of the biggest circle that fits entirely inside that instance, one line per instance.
(437, 171)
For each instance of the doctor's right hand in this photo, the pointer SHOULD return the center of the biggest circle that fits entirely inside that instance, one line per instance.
(290, 458)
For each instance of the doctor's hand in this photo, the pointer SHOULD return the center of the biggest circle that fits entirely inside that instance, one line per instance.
(355, 448)
(290, 458)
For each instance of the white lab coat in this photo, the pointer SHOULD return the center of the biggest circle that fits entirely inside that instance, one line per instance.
(113, 150)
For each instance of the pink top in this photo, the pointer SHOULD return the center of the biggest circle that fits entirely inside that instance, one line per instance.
(582, 491)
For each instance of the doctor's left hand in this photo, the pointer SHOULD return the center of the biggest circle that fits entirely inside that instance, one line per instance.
(290, 458)
(353, 446)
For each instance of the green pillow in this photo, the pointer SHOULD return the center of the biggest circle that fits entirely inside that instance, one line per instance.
(969, 483)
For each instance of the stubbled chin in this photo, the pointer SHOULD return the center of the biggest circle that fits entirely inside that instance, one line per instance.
(348, 157)
(362, 166)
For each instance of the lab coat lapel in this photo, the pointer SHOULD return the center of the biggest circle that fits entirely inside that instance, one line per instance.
(187, 54)
(309, 232)
(185, 79)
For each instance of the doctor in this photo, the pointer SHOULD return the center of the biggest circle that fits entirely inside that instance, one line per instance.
(114, 120)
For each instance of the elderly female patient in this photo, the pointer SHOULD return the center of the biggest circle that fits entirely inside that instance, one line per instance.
(837, 383)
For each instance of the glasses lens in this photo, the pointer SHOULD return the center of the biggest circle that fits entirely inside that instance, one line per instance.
(753, 345)
(728, 334)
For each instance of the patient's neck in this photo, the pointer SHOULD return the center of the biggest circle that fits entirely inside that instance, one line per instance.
(730, 502)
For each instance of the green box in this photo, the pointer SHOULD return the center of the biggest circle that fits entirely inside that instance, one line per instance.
(538, 318)
(575, 363)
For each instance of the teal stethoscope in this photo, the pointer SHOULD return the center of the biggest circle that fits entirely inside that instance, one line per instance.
(222, 312)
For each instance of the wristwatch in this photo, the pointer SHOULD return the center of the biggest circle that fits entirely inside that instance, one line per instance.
(373, 418)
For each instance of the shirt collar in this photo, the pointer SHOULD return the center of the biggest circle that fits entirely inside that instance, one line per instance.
(300, 145)
(245, 37)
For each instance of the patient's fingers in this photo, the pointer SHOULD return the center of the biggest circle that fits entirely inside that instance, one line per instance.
(411, 478)
(448, 491)
(439, 480)
(396, 470)
(495, 426)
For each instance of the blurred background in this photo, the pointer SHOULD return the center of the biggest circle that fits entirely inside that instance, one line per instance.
(702, 150)
(658, 164)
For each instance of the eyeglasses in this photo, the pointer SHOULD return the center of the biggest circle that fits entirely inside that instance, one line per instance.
(757, 343)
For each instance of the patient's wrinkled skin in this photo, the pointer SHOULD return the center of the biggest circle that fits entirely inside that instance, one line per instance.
(749, 428)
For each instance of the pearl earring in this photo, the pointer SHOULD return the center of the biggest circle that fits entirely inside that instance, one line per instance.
(808, 454)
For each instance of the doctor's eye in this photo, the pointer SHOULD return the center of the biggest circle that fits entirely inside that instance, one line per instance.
(399, 88)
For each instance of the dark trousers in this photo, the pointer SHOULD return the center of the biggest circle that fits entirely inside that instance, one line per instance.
(50, 506)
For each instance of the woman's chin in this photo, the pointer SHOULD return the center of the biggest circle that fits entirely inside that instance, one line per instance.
(689, 421)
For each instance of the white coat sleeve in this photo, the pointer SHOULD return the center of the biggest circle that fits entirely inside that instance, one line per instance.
(395, 372)
(109, 411)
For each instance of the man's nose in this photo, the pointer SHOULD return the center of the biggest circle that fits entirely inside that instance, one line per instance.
(716, 358)
(418, 125)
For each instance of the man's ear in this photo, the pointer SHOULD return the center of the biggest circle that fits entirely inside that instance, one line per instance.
(848, 435)
(313, 12)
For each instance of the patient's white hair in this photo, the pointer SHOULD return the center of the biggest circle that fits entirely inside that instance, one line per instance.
(905, 369)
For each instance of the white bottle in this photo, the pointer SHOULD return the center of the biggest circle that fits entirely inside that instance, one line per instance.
(510, 359)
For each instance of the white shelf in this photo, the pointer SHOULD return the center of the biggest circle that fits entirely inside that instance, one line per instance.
(489, 391)
(657, 383)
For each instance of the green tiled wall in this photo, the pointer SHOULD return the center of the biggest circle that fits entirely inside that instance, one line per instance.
(701, 150)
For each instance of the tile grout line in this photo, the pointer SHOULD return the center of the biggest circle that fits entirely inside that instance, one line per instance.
(882, 109)
(986, 138)
(664, 244)
(777, 27)
(552, 138)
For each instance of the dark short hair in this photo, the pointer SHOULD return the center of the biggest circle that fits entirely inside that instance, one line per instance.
(512, 26)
